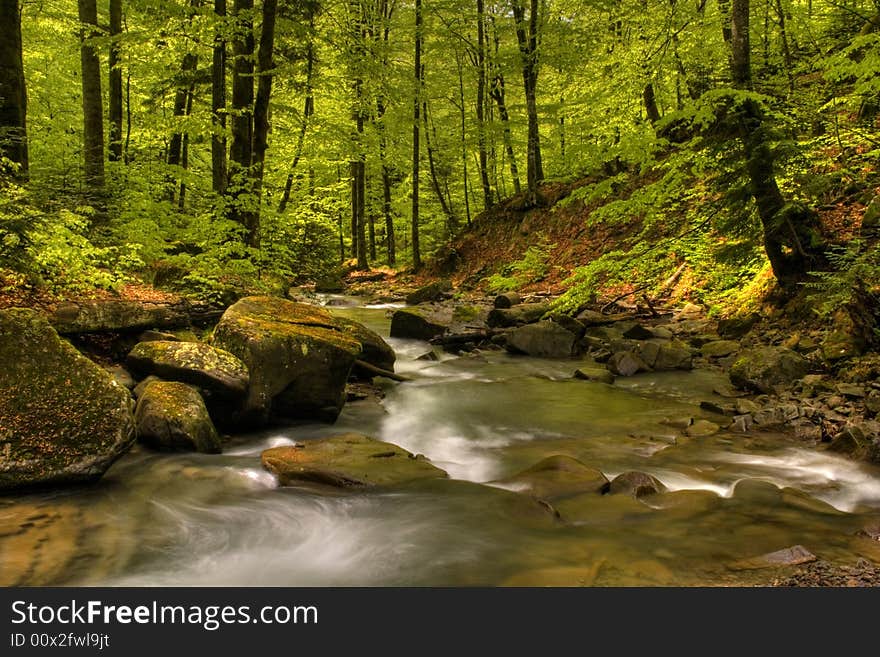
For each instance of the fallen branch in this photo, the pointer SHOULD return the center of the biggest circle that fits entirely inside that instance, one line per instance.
(378, 371)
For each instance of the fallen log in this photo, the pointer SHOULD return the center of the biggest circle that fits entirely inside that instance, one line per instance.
(378, 371)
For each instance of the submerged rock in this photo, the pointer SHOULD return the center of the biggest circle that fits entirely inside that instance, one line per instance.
(596, 374)
(347, 460)
(191, 362)
(173, 416)
(557, 477)
(763, 368)
(298, 356)
(626, 363)
(790, 556)
(63, 419)
(637, 484)
(545, 339)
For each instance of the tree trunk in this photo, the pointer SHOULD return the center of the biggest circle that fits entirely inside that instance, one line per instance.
(355, 189)
(390, 245)
(308, 111)
(481, 104)
(445, 206)
(241, 150)
(115, 81)
(651, 110)
(527, 37)
(93, 112)
(218, 102)
(464, 157)
(261, 118)
(13, 91)
(181, 98)
(184, 152)
(417, 94)
(497, 92)
(740, 61)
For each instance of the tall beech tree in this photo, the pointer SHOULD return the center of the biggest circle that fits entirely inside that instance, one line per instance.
(528, 37)
(114, 81)
(218, 101)
(416, 150)
(13, 93)
(92, 103)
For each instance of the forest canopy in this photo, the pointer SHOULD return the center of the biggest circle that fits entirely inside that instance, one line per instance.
(215, 147)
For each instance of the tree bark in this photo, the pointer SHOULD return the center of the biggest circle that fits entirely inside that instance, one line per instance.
(13, 91)
(740, 61)
(464, 155)
(218, 102)
(261, 118)
(498, 93)
(417, 94)
(114, 78)
(241, 150)
(308, 111)
(93, 113)
(481, 105)
(445, 204)
(181, 99)
(527, 36)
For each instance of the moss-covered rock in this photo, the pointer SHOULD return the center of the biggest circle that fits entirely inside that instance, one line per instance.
(347, 460)
(418, 324)
(637, 484)
(298, 356)
(191, 362)
(63, 419)
(557, 477)
(173, 416)
(763, 368)
(543, 339)
(525, 313)
(375, 350)
(430, 292)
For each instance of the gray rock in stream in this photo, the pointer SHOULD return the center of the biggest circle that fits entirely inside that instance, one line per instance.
(545, 339)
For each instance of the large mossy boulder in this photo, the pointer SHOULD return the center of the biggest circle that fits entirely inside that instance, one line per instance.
(762, 369)
(543, 339)
(375, 350)
(418, 324)
(63, 419)
(173, 416)
(298, 356)
(347, 460)
(197, 363)
(557, 477)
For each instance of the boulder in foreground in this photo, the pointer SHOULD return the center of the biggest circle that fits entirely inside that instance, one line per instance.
(347, 460)
(63, 419)
(298, 356)
(173, 416)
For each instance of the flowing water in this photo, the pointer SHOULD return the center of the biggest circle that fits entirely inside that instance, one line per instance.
(190, 519)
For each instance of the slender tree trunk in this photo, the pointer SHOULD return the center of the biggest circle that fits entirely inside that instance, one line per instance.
(498, 93)
(265, 72)
(240, 152)
(445, 204)
(464, 156)
(390, 245)
(308, 111)
(93, 112)
(181, 99)
(218, 102)
(115, 82)
(13, 91)
(371, 217)
(481, 104)
(355, 189)
(786, 50)
(528, 37)
(651, 109)
(724, 10)
(417, 94)
(241, 149)
(740, 61)
(184, 152)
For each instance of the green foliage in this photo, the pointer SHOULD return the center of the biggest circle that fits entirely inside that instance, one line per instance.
(68, 262)
(18, 223)
(531, 268)
(855, 265)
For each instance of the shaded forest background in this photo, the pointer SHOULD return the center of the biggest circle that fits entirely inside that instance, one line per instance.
(213, 148)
